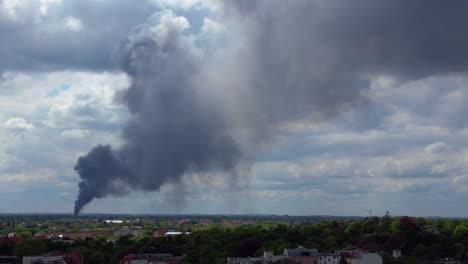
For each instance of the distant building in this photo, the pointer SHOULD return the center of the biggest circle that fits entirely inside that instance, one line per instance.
(113, 221)
(205, 222)
(151, 259)
(237, 222)
(246, 260)
(56, 258)
(64, 240)
(129, 230)
(267, 257)
(370, 258)
(73, 235)
(359, 256)
(184, 221)
(230, 223)
(160, 232)
(10, 237)
(430, 229)
(446, 261)
(347, 253)
(329, 258)
(367, 258)
(299, 255)
(176, 233)
(302, 255)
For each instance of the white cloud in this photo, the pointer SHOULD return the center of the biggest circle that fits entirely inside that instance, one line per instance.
(436, 147)
(188, 4)
(75, 133)
(46, 4)
(212, 27)
(18, 124)
(64, 100)
(73, 24)
(10, 7)
(16, 8)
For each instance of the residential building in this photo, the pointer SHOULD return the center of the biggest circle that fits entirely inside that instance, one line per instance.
(73, 235)
(299, 255)
(164, 258)
(431, 229)
(55, 258)
(268, 257)
(446, 261)
(237, 222)
(11, 237)
(359, 256)
(184, 221)
(230, 223)
(247, 260)
(160, 232)
(114, 221)
(205, 222)
(176, 233)
(129, 230)
(347, 253)
(366, 258)
(302, 255)
(329, 258)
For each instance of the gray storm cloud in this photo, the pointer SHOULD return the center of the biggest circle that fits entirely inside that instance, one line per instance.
(279, 61)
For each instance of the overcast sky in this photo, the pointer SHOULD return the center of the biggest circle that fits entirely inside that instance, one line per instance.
(318, 107)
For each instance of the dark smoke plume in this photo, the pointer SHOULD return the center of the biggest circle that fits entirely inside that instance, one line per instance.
(171, 131)
(279, 61)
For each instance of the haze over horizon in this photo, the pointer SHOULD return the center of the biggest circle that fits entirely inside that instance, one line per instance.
(234, 107)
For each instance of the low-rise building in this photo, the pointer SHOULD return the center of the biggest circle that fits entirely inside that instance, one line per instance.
(237, 222)
(446, 261)
(11, 237)
(302, 255)
(268, 257)
(55, 258)
(329, 258)
(160, 232)
(430, 229)
(176, 233)
(113, 221)
(73, 235)
(164, 258)
(129, 230)
(369, 258)
(205, 222)
(298, 255)
(246, 260)
(359, 256)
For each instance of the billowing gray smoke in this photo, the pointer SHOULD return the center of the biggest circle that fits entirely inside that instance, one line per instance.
(277, 61)
(171, 131)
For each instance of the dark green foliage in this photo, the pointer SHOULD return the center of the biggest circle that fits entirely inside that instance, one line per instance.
(6, 248)
(421, 240)
(31, 247)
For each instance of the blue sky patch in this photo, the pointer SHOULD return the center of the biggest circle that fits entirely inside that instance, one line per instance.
(58, 90)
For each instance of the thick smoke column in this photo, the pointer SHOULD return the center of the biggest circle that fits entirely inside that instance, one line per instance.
(172, 130)
(279, 61)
